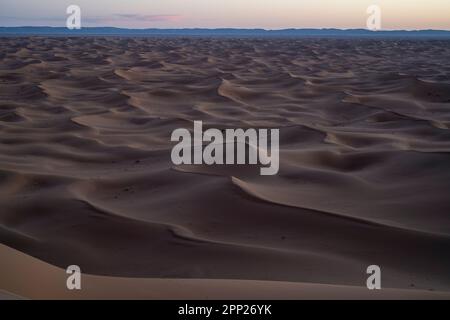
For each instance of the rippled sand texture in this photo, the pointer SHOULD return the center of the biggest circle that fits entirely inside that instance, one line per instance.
(86, 176)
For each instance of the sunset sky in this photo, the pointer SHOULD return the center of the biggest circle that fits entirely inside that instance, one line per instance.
(268, 14)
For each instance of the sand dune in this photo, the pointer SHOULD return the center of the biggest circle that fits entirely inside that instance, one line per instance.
(28, 278)
(86, 176)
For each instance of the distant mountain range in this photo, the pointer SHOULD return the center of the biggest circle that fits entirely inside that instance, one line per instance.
(222, 32)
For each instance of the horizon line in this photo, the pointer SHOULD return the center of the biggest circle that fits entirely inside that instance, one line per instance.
(229, 28)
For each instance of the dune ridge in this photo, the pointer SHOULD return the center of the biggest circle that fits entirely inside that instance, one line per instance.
(24, 277)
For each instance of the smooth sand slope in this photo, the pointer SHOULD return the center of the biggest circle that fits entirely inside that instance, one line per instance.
(86, 176)
(24, 277)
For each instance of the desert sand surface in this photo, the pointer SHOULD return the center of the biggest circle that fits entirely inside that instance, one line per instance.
(34, 279)
(86, 176)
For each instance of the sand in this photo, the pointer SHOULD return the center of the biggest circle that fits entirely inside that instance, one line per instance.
(86, 176)
(28, 276)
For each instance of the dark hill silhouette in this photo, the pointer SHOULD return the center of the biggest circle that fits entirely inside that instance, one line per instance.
(222, 32)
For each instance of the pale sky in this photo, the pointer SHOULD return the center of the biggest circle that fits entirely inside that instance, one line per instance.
(268, 14)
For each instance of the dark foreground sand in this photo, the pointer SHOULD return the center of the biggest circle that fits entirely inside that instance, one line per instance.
(86, 176)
